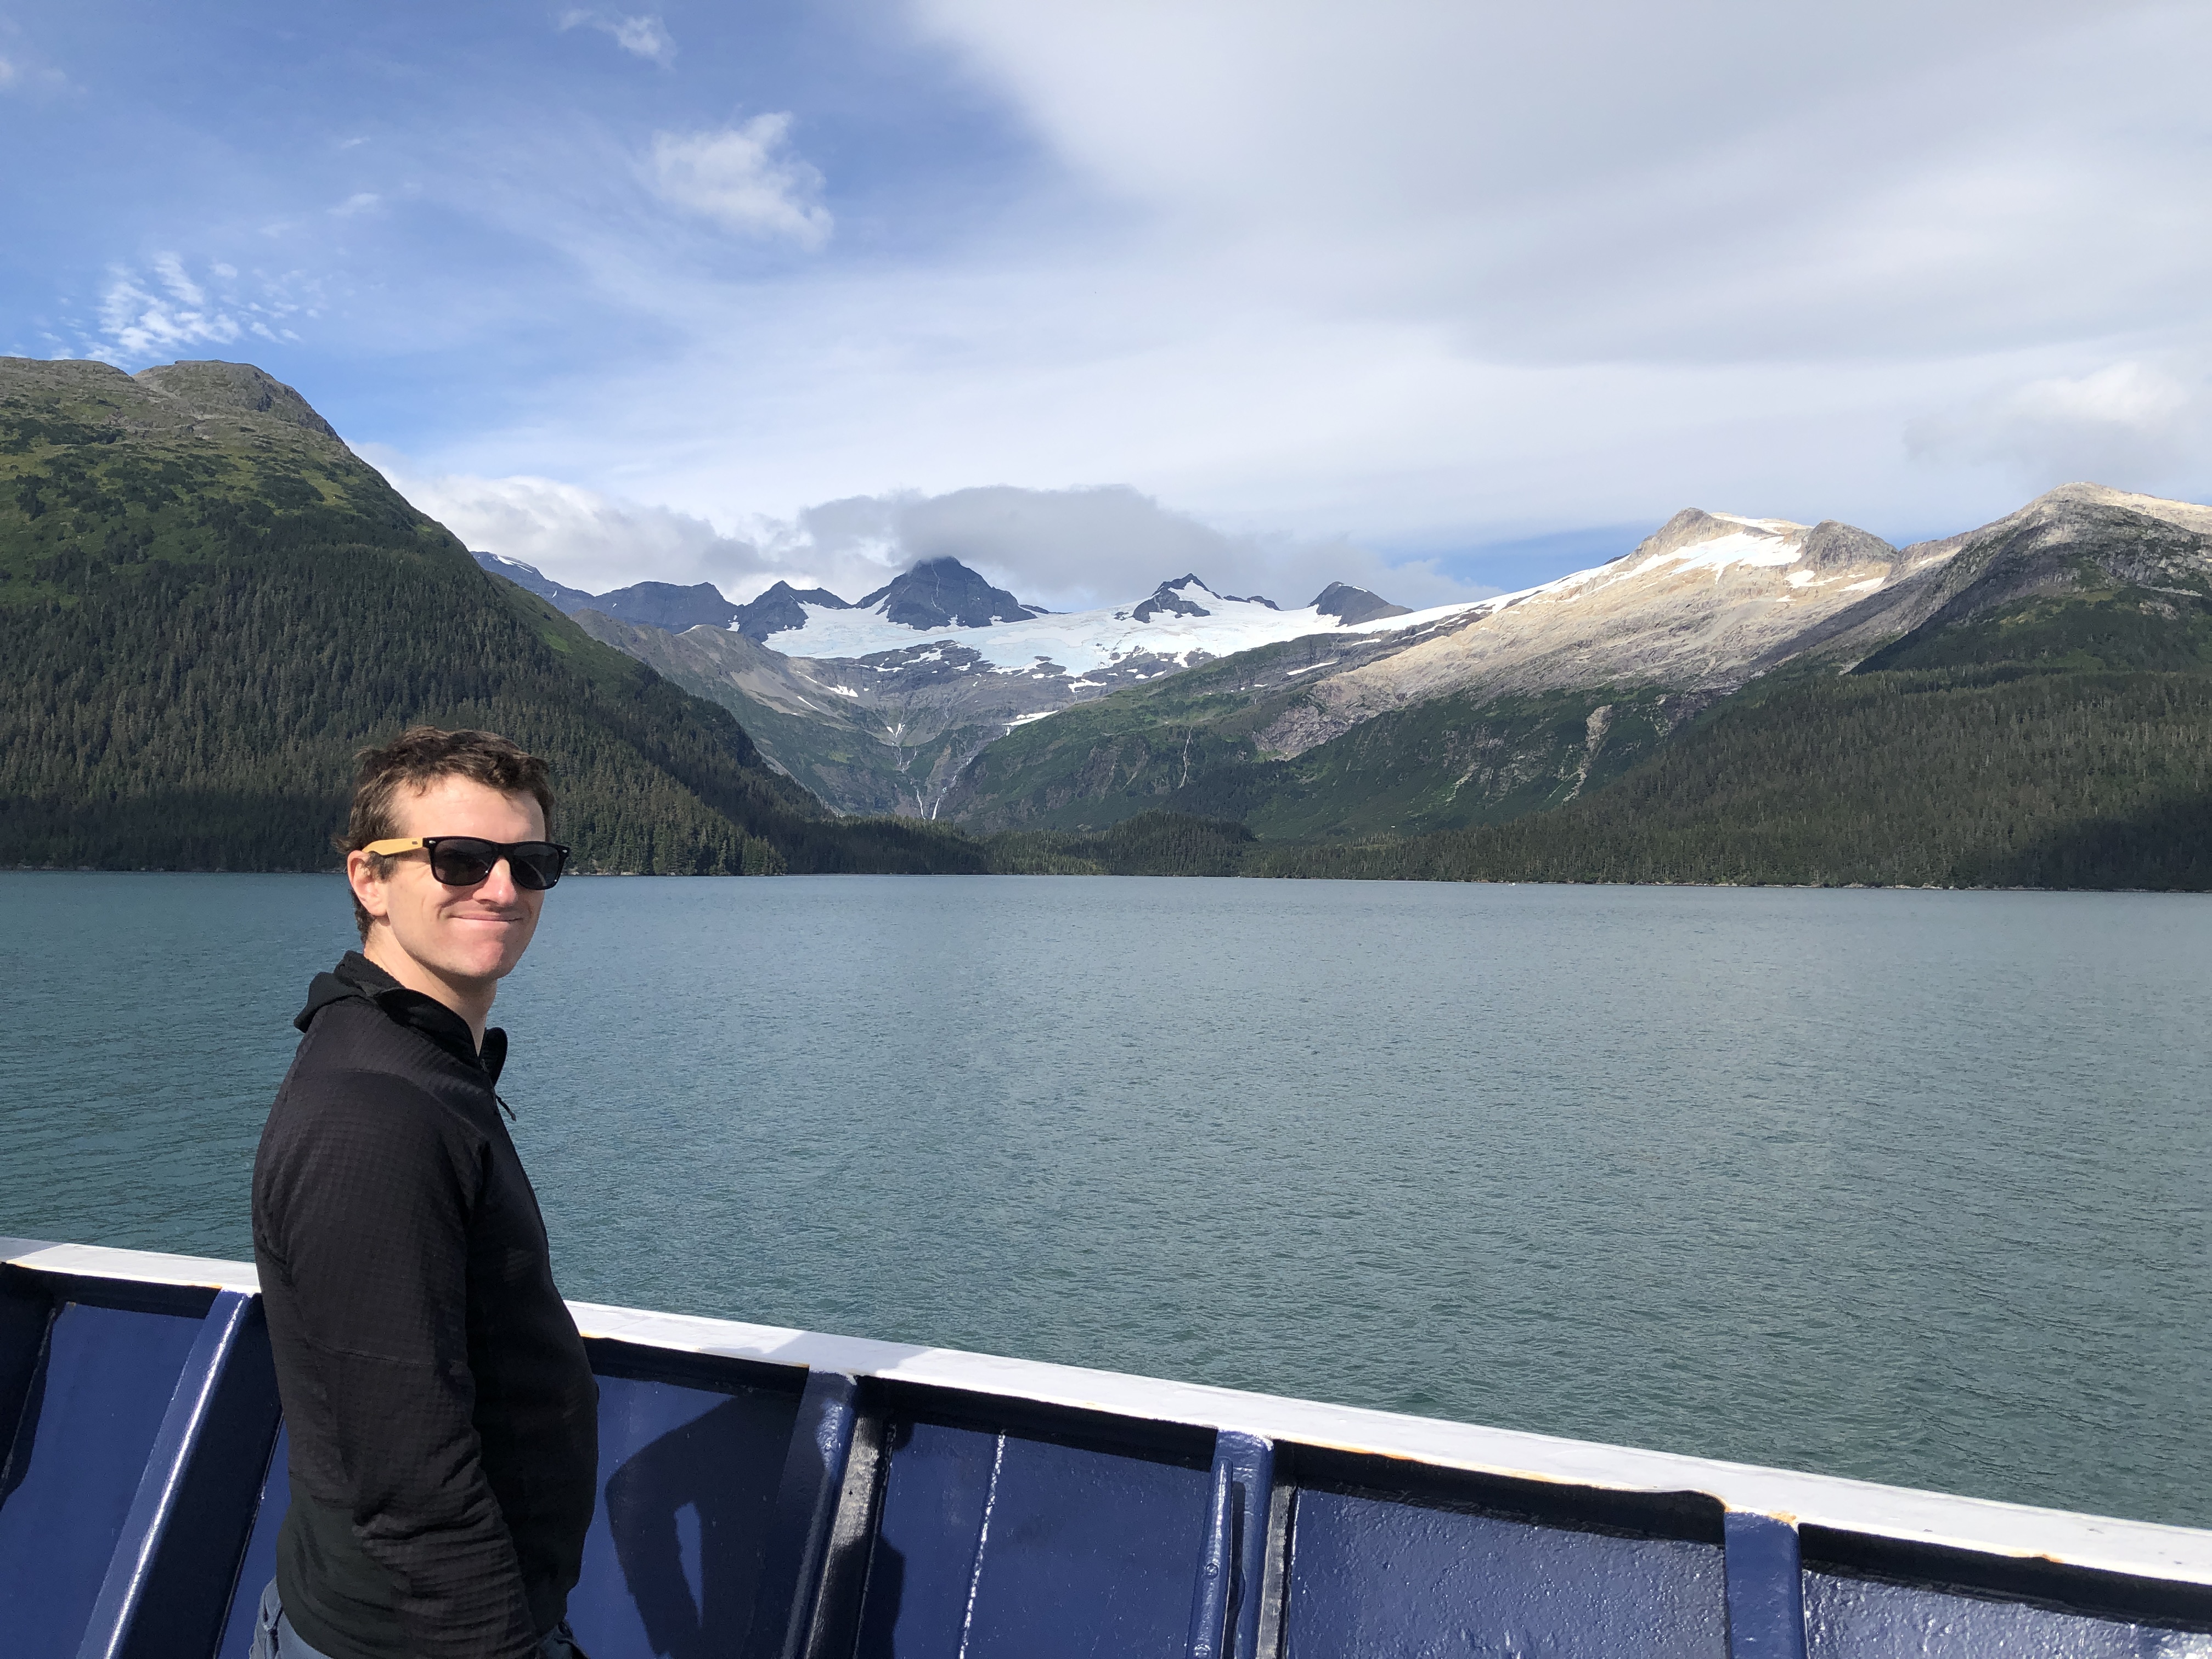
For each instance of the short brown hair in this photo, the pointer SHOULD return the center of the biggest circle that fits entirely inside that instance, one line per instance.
(417, 759)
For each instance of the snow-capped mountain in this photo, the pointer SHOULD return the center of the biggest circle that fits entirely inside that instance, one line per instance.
(1181, 623)
(1704, 603)
(887, 703)
(877, 705)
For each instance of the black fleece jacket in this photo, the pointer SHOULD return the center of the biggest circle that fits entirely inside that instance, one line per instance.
(443, 1417)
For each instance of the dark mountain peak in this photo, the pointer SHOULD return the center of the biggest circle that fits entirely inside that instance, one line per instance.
(1172, 599)
(943, 593)
(211, 387)
(1830, 545)
(781, 609)
(664, 604)
(1350, 604)
(566, 599)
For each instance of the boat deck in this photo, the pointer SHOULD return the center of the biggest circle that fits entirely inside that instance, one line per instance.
(778, 1494)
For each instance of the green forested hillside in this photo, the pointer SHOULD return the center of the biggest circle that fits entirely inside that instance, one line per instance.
(1995, 778)
(207, 605)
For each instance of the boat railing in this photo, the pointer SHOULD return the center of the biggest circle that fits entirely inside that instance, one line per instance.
(779, 1494)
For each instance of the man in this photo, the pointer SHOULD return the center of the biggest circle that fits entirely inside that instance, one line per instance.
(443, 1417)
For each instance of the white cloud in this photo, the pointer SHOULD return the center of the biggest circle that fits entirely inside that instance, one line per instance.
(138, 324)
(581, 537)
(1078, 548)
(744, 177)
(8, 73)
(168, 313)
(2130, 424)
(171, 269)
(1414, 275)
(360, 201)
(644, 36)
(1424, 276)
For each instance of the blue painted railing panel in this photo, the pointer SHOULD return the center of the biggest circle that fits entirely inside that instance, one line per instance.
(1225, 1615)
(260, 1564)
(1000, 1547)
(167, 1583)
(1371, 1577)
(93, 1409)
(794, 1556)
(1766, 1595)
(672, 1562)
(1867, 1619)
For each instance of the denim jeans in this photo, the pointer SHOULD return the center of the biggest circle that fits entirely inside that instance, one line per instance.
(275, 1638)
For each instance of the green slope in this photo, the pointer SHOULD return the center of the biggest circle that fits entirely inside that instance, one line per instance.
(851, 757)
(207, 605)
(1188, 745)
(1988, 776)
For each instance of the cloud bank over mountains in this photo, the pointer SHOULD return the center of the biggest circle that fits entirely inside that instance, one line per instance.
(1069, 549)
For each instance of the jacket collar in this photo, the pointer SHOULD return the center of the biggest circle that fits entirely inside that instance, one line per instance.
(357, 977)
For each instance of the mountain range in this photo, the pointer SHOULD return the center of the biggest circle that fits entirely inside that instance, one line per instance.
(1372, 730)
(208, 604)
(878, 704)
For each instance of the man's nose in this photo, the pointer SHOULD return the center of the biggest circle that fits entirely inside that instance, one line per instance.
(498, 887)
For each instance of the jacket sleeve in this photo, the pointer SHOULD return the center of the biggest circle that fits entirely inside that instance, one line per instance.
(373, 1213)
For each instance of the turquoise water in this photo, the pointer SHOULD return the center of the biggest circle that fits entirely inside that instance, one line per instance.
(1916, 1186)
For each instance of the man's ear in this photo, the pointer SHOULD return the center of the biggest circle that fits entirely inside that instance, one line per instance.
(368, 887)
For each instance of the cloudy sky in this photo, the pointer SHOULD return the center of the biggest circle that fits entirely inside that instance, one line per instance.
(1440, 297)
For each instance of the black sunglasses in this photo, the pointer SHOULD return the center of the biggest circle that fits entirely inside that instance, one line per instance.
(464, 860)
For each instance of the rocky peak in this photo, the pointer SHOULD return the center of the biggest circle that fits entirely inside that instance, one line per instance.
(1694, 525)
(211, 387)
(944, 593)
(1173, 599)
(2188, 515)
(1830, 545)
(664, 604)
(781, 609)
(1351, 605)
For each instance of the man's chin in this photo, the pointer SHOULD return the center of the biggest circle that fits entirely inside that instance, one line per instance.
(477, 967)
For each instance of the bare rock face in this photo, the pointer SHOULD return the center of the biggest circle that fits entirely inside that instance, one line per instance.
(1694, 607)
(1174, 599)
(192, 396)
(1832, 546)
(781, 609)
(665, 606)
(944, 593)
(1353, 606)
(211, 387)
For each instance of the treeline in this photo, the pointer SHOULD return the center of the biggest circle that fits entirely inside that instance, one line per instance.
(1976, 778)
(1154, 843)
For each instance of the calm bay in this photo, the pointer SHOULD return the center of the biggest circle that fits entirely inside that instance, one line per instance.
(1910, 1186)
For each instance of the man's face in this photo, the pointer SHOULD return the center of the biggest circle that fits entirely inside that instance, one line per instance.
(462, 934)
